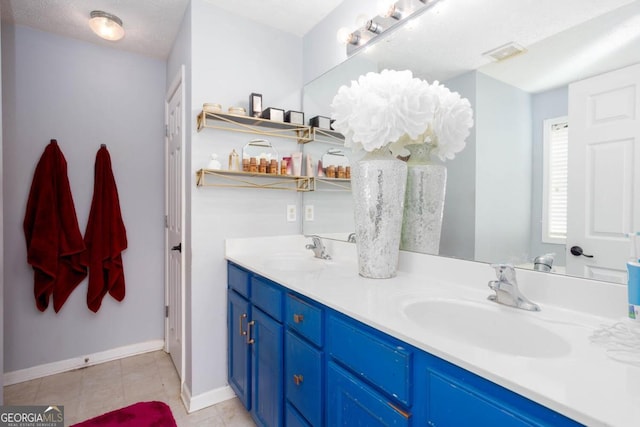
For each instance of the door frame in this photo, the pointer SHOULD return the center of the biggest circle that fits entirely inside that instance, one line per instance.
(177, 83)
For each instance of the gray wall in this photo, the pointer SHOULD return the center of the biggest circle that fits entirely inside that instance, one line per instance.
(545, 105)
(83, 95)
(458, 226)
(503, 171)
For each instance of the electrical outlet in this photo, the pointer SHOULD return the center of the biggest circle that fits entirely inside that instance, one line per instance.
(308, 212)
(291, 213)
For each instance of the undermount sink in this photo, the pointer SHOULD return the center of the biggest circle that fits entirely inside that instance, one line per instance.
(488, 326)
(294, 261)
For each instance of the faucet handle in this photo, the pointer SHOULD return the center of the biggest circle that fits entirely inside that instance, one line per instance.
(505, 272)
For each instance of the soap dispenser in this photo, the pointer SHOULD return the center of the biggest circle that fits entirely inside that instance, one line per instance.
(214, 163)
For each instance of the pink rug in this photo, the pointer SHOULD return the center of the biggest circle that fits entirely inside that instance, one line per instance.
(142, 414)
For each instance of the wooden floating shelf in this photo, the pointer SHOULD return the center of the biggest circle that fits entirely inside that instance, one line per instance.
(233, 179)
(338, 184)
(328, 136)
(254, 125)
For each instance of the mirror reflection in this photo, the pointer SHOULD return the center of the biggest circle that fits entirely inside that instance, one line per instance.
(502, 202)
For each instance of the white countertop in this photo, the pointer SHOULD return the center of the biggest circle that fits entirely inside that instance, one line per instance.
(583, 383)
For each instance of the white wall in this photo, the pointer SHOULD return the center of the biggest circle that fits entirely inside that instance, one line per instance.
(83, 95)
(231, 57)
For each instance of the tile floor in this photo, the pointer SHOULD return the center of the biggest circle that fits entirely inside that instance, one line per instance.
(88, 392)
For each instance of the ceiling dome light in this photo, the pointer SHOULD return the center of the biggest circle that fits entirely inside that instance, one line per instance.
(107, 26)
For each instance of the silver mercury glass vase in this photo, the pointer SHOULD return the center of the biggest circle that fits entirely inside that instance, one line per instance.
(424, 202)
(378, 183)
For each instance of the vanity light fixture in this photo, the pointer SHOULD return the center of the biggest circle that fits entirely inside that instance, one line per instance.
(106, 25)
(373, 26)
(390, 16)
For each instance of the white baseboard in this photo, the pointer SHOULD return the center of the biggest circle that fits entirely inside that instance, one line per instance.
(39, 371)
(201, 401)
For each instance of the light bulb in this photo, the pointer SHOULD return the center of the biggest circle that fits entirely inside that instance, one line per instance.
(384, 6)
(345, 36)
(394, 12)
(361, 20)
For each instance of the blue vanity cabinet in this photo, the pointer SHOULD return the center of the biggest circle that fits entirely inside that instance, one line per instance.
(304, 362)
(256, 344)
(294, 362)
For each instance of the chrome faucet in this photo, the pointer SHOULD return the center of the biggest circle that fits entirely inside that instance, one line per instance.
(507, 291)
(318, 248)
(351, 238)
(543, 262)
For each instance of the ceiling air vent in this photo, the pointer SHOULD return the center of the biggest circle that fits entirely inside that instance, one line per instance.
(505, 51)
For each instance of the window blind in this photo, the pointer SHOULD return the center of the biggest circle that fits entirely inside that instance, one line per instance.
(556, 174)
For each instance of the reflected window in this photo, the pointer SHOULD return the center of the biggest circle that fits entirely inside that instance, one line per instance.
(554, 205)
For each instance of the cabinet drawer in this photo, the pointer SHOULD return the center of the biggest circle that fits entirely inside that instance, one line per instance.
(383, 362)
(352, 403)
(238, 279)
(303, 377)
(268, 296)
(305, 318)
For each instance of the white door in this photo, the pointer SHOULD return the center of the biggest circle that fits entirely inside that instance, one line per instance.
(604, 173)
(174, 209)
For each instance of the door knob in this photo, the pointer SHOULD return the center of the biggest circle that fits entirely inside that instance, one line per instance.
(577, 251)
(177, 247)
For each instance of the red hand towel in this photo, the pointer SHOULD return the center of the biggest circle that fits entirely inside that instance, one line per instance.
(105, 236)
(54, 241)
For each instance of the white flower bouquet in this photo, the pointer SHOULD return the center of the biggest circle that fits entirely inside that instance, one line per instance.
(393, 109)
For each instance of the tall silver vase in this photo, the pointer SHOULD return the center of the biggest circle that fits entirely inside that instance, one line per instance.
(424, 203)
(378, 182)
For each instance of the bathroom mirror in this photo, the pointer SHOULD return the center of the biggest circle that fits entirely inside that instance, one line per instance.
(493, 207)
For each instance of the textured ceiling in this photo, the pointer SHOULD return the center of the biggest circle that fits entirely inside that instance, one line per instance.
(151, 25)
(293, 16)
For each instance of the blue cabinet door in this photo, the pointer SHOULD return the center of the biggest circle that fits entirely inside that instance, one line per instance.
(267, 394)
(450, 388)
(303, 378)
(293, 417)
(352, 403)
(238, 310)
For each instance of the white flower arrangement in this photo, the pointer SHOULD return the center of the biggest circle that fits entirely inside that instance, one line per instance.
(393, 109)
